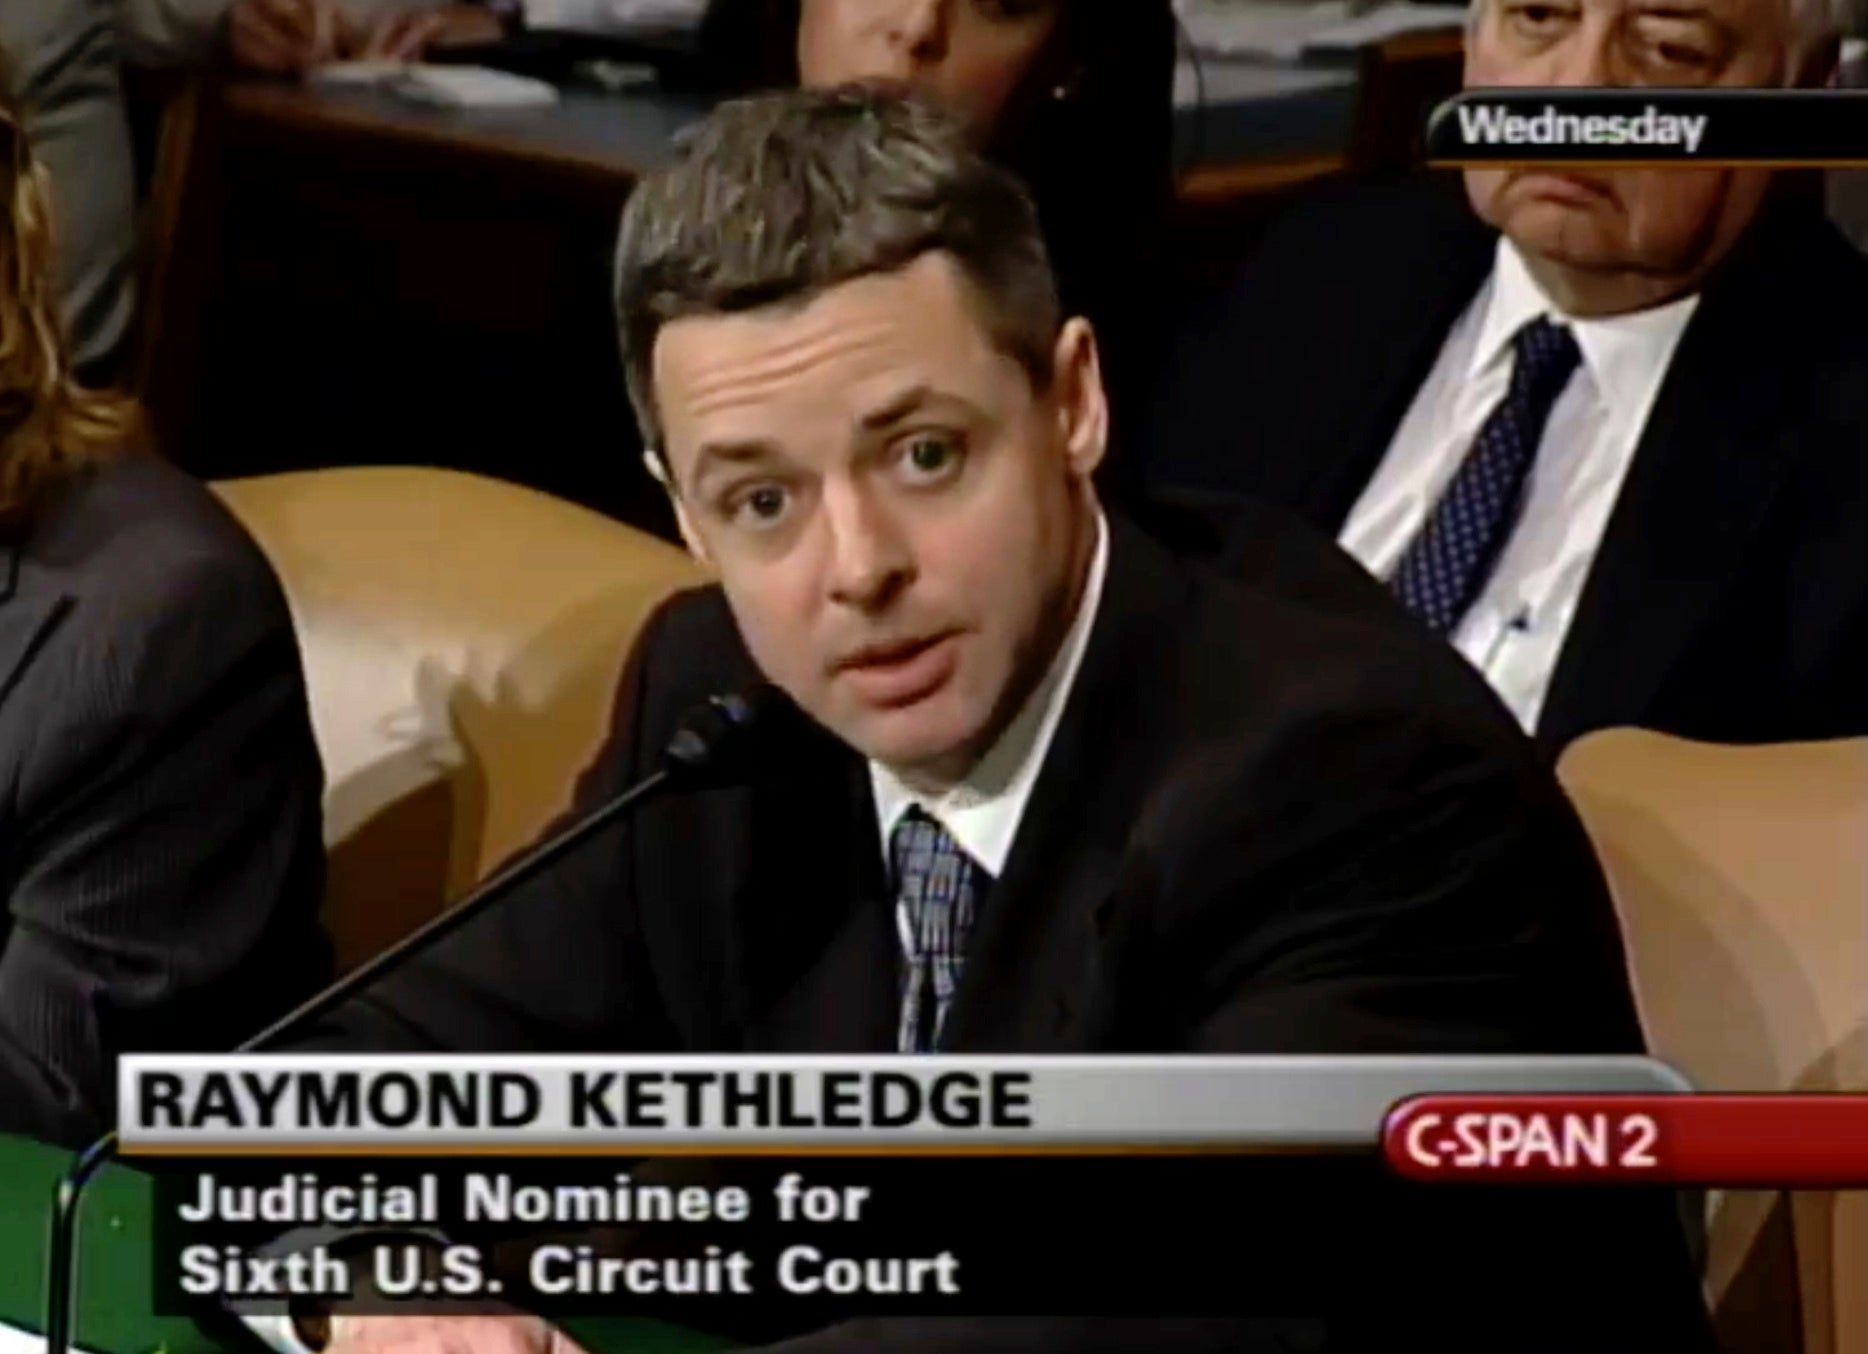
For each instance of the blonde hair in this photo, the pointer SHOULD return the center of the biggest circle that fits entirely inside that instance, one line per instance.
(50, 424)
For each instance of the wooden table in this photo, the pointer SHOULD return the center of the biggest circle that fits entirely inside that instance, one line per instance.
(1234, 119)
(1248, 127)
(346, 277)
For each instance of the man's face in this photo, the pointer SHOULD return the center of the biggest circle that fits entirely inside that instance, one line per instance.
(971, 56)
(899, 518)
(1660, 222)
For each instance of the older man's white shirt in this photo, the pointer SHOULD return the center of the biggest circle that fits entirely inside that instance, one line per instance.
(1515, 630)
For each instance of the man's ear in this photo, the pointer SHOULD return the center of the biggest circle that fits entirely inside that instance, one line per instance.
(1082, 403)
(658, 469)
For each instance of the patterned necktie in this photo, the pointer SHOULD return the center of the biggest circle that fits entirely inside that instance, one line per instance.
(1448, 562)
(936, 892)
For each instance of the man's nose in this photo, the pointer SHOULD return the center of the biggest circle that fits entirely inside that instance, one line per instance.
(869, 558)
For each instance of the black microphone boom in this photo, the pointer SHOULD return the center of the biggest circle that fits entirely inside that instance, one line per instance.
(712, 736)
(711, 742)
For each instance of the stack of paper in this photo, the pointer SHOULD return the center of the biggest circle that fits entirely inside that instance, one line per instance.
(1387, 22)
(447, 86)
(1270, 31)
(611, 17)
(474, 87)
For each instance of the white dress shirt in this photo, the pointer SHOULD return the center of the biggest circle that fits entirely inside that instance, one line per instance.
(983, 811)
(1516, 627)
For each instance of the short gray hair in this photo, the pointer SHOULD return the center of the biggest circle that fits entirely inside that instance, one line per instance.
(775, 199)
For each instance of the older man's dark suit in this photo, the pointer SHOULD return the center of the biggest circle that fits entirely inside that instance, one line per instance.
(1264, 826)
(161, 845)
(1729, 599)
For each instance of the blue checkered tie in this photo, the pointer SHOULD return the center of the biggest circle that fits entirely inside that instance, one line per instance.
(1447, 564)
(936, 890)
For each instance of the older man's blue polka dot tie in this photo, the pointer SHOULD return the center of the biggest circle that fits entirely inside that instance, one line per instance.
(937, 886)
(1448, 562)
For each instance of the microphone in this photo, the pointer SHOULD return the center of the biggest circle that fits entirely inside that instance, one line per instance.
(709, 745)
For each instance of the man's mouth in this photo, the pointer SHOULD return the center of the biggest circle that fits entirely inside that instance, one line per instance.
(901, 672)
(1565, 186)
(893, 653)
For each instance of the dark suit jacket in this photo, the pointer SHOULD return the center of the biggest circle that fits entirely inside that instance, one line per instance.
(161, 842)
(1729, 600)
(1265, 825)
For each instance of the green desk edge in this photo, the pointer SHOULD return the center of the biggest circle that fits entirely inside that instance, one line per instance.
(115, 1282)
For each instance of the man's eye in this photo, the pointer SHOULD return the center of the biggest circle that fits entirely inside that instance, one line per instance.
(1538, 18)
(761, 505)
(1667, 45)
(928, 457)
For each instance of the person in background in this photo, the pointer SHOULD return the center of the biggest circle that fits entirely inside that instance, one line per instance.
(161, 845)
(1603, 430)
(67, 59)
(275, 37)
(63, 67)
(1075, 96)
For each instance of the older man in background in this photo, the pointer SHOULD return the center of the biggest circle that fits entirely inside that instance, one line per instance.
(1602, 430)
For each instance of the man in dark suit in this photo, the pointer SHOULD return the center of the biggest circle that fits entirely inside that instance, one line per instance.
(160, 841)
(1603, 430)
(1032, 785)
(161, 846)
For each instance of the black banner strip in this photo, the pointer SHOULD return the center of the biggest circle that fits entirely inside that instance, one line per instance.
(771, 1245)
(1624, 128)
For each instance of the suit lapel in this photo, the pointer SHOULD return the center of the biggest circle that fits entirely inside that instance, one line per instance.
(1031, 976)
(1700, 486)
(1386, 348)
(24, 619)
(812, 941)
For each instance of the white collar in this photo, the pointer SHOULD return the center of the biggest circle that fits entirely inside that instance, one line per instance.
(1626, 355)
(983, 811)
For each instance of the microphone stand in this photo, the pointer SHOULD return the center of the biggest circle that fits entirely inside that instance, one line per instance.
(696, 747)
(60, 1262)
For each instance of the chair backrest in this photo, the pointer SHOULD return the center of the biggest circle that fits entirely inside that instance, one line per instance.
(1401, 81)
(462, 640)
(1741, 875)
(175, 240)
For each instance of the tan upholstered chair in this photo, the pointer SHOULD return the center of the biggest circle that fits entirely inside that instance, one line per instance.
(1742, 879)
(462, 640)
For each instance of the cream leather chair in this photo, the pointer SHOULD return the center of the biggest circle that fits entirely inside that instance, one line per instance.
(462, 640)
(1741, 874)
